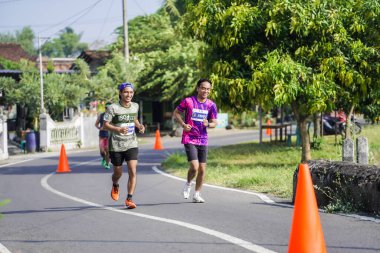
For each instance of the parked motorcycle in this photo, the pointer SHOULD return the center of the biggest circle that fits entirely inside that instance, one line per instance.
(337, 125)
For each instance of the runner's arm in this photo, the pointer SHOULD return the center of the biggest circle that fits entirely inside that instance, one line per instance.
(178, 118)
(212, 123)
(97, 123)
(139, 126)
(108, 126)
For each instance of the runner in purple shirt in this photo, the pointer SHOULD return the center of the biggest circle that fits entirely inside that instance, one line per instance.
(200, 113)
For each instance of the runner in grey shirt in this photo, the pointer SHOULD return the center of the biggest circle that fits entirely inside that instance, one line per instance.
(121, 120)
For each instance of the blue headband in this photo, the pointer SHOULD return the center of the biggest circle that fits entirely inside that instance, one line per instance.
(125, 85)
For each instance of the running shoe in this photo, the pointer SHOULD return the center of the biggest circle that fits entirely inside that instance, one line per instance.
(129, 204)
(107, 166)
(197, 198)
(186, 190)
(103, 162)
(115, 192)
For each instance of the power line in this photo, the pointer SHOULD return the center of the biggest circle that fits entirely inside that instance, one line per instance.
(9, 1)
(89, 21)
(138, 5)
(81, 13)
(105, 20)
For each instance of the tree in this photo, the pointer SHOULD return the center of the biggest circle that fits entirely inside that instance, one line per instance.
(66, 45)
(356, 69)
(60, 90)
(274, 52)
(25, 38)
(16, 92)
(113, 73)
(167, 59)
(66, 90)
(6, 86)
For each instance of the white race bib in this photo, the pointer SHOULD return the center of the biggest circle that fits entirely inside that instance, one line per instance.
(130, 126)
(199, 114)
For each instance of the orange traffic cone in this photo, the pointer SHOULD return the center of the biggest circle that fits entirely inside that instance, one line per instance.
(63, 165)
(269, 131)
(158, 144)
(306, 235)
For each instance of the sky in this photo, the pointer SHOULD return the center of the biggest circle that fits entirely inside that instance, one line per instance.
(96, 20)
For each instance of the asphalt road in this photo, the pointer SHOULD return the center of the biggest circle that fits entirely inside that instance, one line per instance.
(73, 212)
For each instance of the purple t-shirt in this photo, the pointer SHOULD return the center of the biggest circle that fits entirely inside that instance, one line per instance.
(195, 112)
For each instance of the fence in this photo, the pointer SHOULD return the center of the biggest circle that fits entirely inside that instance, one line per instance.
(79, 132)
(3, 137)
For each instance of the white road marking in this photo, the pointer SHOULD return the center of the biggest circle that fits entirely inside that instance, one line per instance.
(234, 240)
(8, 164)
(263, 197)
(3, 249)
(148, 164)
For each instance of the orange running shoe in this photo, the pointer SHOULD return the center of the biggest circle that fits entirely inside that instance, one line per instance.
(129, 204)
(115, 192)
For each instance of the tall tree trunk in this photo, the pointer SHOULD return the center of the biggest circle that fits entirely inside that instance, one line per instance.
(317, 125)
(306, 155)
(302, 124)
(348, 123)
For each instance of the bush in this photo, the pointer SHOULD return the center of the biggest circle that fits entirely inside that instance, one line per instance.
(244, 119)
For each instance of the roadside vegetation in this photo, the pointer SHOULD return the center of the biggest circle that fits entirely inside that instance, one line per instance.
(3, 203)
(268, 167)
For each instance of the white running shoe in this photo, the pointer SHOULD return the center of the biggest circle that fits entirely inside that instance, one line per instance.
(197, 198)
(186, 190)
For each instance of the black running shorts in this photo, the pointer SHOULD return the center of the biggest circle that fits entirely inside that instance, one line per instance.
(196, 152)
(117, 158)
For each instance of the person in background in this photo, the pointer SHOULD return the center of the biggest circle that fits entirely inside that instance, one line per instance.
(103, 139)
(342, 116)
(121, 120)
(200, 114)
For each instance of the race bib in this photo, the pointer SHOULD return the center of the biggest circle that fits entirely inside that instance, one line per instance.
(199, 114)
(130, 126)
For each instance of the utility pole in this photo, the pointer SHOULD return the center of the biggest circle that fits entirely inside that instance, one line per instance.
(41, 75)
(125, 26)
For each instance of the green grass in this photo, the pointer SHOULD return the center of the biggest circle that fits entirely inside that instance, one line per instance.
(267, 167)
(3, 203)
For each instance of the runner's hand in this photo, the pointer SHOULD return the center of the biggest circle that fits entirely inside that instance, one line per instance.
(123, 130)
(141, 129)
(205, 122)
(186, 127)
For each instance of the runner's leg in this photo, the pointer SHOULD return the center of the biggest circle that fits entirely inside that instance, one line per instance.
(101, 147)
(117, 161)
(106, 150)
(200, 176)
(202, 158)
(132, 165)
(192, 158)
(194, 164)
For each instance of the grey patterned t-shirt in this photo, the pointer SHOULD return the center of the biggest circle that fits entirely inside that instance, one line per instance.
(121, 116)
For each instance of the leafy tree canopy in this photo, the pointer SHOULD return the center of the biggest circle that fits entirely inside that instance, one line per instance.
(286, 52)
(111, 75)
(60, 91)
(25, 38)
(66, 45)
(168, 59)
